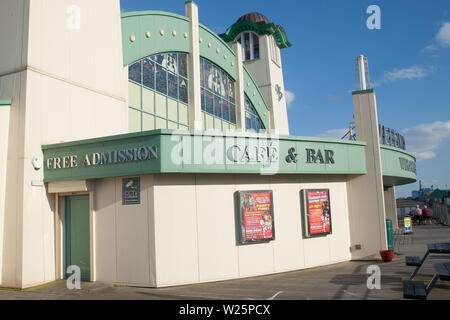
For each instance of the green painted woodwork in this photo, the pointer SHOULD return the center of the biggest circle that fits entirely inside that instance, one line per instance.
(202, 152)
(213, 48)
(77, 234)
(137, 24)
(348, 156)
(277, 32)
(5, 102)
(393, 173)
(105, 145)
(255, 96)
(362, 91)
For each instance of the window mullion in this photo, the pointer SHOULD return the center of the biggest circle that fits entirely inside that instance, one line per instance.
(250, 35)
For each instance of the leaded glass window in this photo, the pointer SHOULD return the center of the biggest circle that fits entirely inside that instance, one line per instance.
(252, 120)
(218, 92)
(159, 92)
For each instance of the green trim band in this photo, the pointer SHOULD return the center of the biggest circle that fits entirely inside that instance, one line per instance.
(5, 102)
(362, 91)
(159, 13)
(278, 32)
(399, 166)
(252, 91)
(178, 151)
(383, 146)
(207, 133)
(145, 33)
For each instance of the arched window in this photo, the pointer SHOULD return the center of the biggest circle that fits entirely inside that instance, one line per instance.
(158, 92)
(252, 120)
(217, 93)
(250, 45)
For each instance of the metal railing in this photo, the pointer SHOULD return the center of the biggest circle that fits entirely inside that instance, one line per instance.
(387, 136)
(351, 133)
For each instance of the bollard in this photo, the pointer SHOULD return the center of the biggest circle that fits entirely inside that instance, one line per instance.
(390, 234)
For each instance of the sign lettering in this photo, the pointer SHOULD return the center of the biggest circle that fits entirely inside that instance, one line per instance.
(104, 158)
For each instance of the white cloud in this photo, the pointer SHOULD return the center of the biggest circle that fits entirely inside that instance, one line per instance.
(424, 155)
(411, 73)
(423, 139)
(431, 47)
(333, 133)
(290, 97)
(414, 72)
(443, 35)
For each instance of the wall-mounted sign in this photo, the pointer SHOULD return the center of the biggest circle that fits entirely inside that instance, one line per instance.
(171, 151)
(279, 92)
(390, 137)
(316, 212)
(246, 154)
(407, 165)
(256, 223)
(103, 158)
(131, 191)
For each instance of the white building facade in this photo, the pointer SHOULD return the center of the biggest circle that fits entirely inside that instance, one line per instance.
(147, 150)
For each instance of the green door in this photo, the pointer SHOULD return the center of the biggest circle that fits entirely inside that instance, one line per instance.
(76, 229)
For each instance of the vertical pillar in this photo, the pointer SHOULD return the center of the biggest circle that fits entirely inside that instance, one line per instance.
(59, 273)
(391, 206)
(4, 136)
(367, 215)
(240, 97)
(195, 106)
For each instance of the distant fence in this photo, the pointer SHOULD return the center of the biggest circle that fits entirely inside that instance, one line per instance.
(442, 211)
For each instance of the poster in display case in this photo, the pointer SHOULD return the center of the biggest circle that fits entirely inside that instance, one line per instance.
(316, 212)
(255, 216)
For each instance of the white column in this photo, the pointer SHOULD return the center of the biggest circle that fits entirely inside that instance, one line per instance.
(367, 215)
(4, 136)
(391, 206)
(240, 97)
(195, 105)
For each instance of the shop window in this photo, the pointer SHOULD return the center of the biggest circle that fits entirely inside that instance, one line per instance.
(218, 96)
(252, 120)
(162, 92)
(250, 45)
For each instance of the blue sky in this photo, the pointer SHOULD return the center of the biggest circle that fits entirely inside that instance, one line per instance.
(409, 62)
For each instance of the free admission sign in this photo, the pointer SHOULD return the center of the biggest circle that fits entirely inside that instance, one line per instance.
(256, 221)
(316, 212)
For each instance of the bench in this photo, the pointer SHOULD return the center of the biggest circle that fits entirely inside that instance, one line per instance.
(416, 262)
(417, 289)
(443, 271)
(414, 290)
(413, 261)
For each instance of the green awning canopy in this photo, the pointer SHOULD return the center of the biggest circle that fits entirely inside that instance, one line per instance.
(436, 194)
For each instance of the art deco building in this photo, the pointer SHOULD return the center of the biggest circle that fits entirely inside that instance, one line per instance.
(147, 150)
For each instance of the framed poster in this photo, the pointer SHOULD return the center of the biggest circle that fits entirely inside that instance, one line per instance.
(131, 191)
(316, 212)
(255, 216)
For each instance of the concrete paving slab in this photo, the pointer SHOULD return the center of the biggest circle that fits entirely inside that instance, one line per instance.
(342, 281)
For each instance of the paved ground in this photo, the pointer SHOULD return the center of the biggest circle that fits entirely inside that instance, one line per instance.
(346, 280)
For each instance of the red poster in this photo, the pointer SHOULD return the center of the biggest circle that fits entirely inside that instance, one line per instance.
(318, 213)
(256, 214)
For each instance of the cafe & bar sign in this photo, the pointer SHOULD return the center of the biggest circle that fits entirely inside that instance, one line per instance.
(176, 151)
